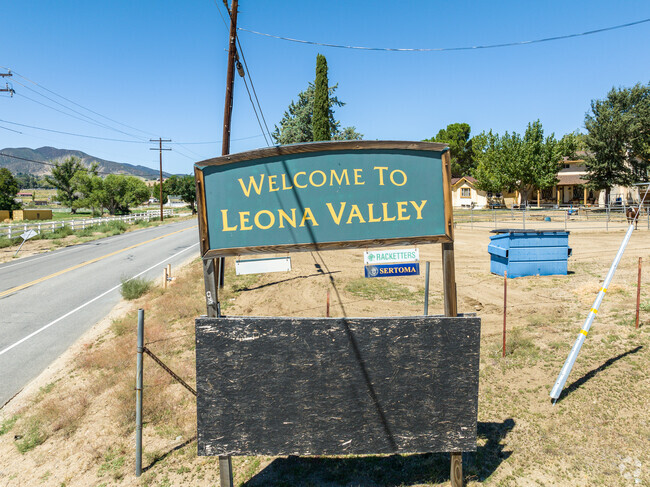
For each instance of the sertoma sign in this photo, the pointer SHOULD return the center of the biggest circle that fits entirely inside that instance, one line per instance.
(324, 195)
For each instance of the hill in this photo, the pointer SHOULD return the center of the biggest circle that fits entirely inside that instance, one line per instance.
(52, 154)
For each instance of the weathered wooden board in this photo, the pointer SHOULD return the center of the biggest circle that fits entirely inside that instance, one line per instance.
(279, 386)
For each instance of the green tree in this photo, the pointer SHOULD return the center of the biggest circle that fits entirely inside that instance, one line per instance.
(456, 135)
(155, 192)
(321, 122)
(183, 186)
(62, 179)
(89, 189)
(512, 162)
(296, 125)
(8, 190)
(122, 192)
(618, 138)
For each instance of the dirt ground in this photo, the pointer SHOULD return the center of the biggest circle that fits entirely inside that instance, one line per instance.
(523, 439)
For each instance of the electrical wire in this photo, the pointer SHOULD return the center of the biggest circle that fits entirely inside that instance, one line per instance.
(461, 48)
(259, 106)
(10, 130)
(86, 117)
(255, 111)
(73, 134)
(74, 103)
(241, 51)
(2, 154)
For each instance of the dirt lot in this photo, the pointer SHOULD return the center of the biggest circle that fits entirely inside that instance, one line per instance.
(597, 434)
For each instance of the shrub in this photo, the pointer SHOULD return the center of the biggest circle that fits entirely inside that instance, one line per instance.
(134, 288)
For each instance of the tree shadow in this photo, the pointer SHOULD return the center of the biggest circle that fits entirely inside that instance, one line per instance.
(387, 470)
(592, 373)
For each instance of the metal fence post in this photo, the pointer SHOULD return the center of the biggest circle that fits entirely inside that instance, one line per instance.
(138, 396)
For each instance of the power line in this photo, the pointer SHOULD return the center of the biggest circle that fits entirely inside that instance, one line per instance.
(241, 51)
(462, 48)
(73, 134)
(47, 163)
(111, 139)
(77, 104)
(10, 130)
(89, 119)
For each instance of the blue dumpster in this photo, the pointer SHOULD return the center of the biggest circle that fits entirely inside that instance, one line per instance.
(529, 252)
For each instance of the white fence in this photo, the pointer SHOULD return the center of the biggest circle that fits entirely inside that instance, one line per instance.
(14, 230)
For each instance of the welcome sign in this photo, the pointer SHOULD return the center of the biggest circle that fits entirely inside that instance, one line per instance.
(324, 195)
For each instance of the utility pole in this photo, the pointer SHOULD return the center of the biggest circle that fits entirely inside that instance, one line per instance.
(160, 149)
(6, 88)
(227, 111)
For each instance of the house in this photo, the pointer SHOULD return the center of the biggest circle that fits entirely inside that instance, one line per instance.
(572, 188)
(465, 194)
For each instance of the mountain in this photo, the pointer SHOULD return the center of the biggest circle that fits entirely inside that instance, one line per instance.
(51, 154)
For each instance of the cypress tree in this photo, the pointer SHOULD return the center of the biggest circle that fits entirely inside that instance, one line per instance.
(320, 119)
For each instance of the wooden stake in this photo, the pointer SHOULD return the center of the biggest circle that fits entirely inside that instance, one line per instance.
(505, 305)
(165, 278)
(327, 308)
(638, 295)
(169, 271)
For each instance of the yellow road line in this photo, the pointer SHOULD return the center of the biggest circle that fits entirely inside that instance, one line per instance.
(92, 261)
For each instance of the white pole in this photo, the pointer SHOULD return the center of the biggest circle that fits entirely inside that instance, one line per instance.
(573, 355)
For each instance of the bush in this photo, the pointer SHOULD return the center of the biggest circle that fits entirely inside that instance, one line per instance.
(134, 288)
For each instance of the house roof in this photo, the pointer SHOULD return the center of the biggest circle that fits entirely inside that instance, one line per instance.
(469, 179)
(570, 179)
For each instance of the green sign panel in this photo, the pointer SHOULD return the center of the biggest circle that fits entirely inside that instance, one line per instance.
(324, 195)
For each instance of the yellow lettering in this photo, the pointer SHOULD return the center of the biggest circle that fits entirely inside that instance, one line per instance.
(371, 218)
(344, 174)
(336, 217)
(224, 217)
(386, 219)
(291, 220)
(252, 183)
(401, 210)
(308, 215)
(295, 179)
(272, 184)
(284, 183)
(311, 178)
(381, 174)
(243, 220)
(392, 179)
(419, 208)
(355, 213)
(271, 219)
(357, 177)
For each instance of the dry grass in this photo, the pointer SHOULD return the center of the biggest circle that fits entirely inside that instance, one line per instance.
(595, 435)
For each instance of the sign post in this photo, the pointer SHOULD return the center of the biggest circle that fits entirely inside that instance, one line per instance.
(26, 236)
(326, 196)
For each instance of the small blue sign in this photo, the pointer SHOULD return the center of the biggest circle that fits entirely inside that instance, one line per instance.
(388, 270)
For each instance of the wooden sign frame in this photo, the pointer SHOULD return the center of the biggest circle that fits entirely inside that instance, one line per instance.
(213, 261)
(309, 151)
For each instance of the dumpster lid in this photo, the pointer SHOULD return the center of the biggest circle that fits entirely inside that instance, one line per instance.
(521, 230)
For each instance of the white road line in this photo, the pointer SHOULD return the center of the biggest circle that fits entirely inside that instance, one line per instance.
(22, 340)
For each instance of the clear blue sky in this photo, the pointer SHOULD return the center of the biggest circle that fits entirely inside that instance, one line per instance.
(160, 67)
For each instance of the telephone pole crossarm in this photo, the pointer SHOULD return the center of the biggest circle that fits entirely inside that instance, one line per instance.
(160, 149)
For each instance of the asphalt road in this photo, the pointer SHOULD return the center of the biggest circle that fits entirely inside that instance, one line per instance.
(48, 301)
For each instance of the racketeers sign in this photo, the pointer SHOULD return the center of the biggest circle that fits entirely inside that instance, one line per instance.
(324, 195)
